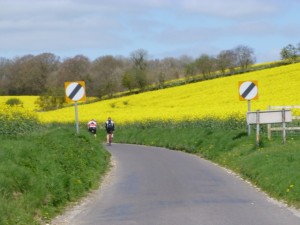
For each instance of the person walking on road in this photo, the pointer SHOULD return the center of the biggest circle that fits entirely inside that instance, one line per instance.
(92, 127)
(110, 127)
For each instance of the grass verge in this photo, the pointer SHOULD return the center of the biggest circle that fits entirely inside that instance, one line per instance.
(40, 173)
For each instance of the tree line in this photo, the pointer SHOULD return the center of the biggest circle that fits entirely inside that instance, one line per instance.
(106, 75)
(45, 74)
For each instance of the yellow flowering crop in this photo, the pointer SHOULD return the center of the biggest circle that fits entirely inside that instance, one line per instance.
(17, 120)
(28, 101)
(218, 98)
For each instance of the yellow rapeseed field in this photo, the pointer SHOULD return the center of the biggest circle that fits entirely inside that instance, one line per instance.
(28, 101)
(218, 98)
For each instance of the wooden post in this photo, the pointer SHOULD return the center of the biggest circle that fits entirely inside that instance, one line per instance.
(283, 126)
(269, 127)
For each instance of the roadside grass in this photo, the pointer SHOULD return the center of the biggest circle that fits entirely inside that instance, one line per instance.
(42, 172)
(16, 120)
(273, 167)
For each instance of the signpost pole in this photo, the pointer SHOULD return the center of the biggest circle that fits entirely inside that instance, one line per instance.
(249, 109)
(75, 91)
(76, 117)
(248, 90)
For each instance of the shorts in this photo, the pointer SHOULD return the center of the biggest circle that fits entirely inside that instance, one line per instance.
(93, 130)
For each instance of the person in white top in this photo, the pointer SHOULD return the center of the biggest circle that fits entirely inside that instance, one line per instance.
(92, 127)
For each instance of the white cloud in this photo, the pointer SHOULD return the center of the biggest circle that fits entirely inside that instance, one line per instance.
(232, 8)
(160, 26)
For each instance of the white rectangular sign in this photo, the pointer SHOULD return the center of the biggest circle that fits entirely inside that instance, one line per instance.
(267, 117)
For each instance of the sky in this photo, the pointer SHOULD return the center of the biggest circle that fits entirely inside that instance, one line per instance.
(164, 28)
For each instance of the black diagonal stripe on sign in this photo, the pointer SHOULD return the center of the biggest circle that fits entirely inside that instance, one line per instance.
(247, 91)
(74, 92)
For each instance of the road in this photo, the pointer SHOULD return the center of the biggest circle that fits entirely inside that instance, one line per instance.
(156, 186)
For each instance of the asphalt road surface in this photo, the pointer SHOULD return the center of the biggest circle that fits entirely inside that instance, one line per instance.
(156, 186)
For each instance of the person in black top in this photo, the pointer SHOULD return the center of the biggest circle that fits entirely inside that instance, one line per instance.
(110, 127)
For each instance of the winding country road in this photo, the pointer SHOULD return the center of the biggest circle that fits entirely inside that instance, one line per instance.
(156, 186)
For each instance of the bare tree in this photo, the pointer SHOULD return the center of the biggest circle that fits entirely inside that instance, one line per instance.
(73, 69)
(205, 65)
(190, 69)
(226, 60)
(20, 76)
(245, 56)
(43, 66)
(106, 75)
(4, 75)
(172, 67)
(139, 59)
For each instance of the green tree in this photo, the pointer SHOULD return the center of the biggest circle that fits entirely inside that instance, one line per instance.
(205, 65)
(141, 79)
(226, 60)
(128, 80)
(289, 53)
(51, 99)
(139, 59)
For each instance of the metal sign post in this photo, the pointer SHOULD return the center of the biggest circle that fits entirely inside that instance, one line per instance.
(249, 110)
(248, 90)
(75, 91)
(76, 117)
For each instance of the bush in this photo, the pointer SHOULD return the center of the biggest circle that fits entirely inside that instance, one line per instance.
(51, 100)
(17, 120)
(13, 102)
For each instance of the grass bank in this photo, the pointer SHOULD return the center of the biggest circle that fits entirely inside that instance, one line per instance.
(41, 172)
(273, 166)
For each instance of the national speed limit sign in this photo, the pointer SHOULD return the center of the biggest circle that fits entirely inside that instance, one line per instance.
(75, 91)
(248, 90)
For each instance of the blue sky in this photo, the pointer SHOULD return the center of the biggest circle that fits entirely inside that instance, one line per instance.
(165, 28)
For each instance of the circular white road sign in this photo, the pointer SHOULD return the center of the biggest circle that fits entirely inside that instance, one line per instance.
(75, 91)
(248, 90)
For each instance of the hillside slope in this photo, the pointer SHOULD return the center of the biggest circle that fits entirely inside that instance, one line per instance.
(218, 98)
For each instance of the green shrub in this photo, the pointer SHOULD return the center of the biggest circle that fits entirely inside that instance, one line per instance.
(52, 99)
(13, 102)
(17, 120)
